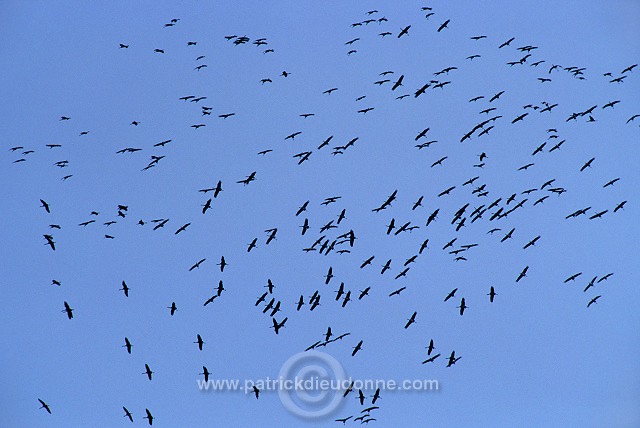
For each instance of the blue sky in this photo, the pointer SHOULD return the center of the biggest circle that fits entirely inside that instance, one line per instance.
(536, 356)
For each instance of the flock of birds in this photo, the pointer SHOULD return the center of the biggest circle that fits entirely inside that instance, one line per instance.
(483, 208)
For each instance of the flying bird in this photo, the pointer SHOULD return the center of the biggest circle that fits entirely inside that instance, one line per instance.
(197, 264)
(452, 359)
(149, 416)
(200, 342)
(45, 406)
(531, 243)
(173, 308)
(127, 414)
(68, 310)
(127, 344)
(222, 264)
(444, 25)
(182, 228)
(125, 289)
(492, 294)
(147, 371)
(45, 206)
(587, 164)
(431, 359)
(404, 31)
(507, 43)
(50, 241)
(462, 306)
(278, 325)
(594, 300)
(357, 348)
(451, 294)
(411, 320)
(522, 274)
(398, 83)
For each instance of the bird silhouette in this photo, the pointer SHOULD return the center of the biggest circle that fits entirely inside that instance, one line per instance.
(492, 294)
(127, 414)
(125, 289)
(200, 342)
(173, 308)
(45, 406)
(356, 348)
(444, 25)
(462, 306)
(522, 274)
(148, 371)
(68, 310)
(149, 416)
(404, 31)
(205, 373)
(411, 320)
(127, 345)
(594, 300)
(452, 359)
